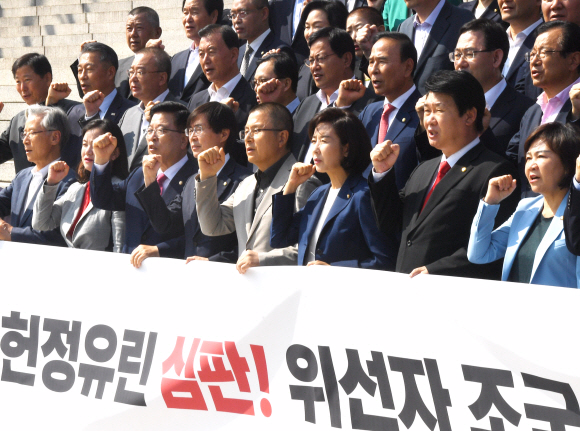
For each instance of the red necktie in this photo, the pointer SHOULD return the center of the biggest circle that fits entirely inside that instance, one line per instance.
(443, 169)
(160, 179)
(85, 204)
(384, 126)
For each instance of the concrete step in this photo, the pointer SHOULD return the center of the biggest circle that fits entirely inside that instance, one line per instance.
(11, 109)
(64, 29)
(16, 52)
(18, 11)
(63, 18)
(6, 173)
(12, 42)
(18, 22)
(29, 30)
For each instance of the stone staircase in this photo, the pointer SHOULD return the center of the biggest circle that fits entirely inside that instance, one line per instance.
(56, 28)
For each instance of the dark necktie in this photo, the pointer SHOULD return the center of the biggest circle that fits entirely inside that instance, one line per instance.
(246, 60)
(443, 169)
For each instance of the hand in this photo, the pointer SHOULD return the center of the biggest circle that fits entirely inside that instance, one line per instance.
(578, 169)
(575, 99)
(269, 91)
(103, 147)
(5, 231)
(499, 188)
(1, 107)
(248, 259)
(210, 162)
(192, 258)
(317, 262)
(143, 252)
(298, 175)
(85, 42)
(93, 101)
(147, 112)
(420, 108)
(365, 37)
(232, 104)
(151, 165)
(57, 91)
(384, 156)
(417, 271)
(57, 172)
(349, 91)
(486, 119)
(155, 43)
(273, 51)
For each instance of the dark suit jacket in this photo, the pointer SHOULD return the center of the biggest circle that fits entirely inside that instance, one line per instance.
(13, 203)
(401, 131)
(437, 237)
(76, 119)
(245, 96)
(519, 75)
(179, 219)
(492, 12)
(270, 42)
(440, 42)
(11, 145)
(506, 116)
(572, 221)
(350, 221)
(307, 109)
(281, 22)
(196, 83)
(121, 197)
(515, 150)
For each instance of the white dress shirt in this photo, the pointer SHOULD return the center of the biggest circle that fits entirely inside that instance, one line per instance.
(493, 93)
(397, 103)
(422, 29)
(256, 44)
(330, 198)
(516, 43)
(192, 63)
(224, 92)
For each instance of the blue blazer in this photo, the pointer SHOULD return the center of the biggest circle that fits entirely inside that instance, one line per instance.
(13, 203)
(553, 265)
(121, 197)
(350, 236)
(401, 131)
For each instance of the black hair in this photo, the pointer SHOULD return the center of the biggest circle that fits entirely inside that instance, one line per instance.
(150, 14)
(219, 117)
(569, 42)
(106, 53)
(408, 50)
(229, 36)
(210, 6)
(284, 67)
(37, 62)
(370, 14)
(179, 112)
(493, 33)
(339, 40)
(336, 12)
(279, 116)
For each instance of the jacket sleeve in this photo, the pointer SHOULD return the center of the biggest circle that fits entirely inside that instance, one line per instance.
(285, 223)
(485, 244)
(47, 210)
(214, 218)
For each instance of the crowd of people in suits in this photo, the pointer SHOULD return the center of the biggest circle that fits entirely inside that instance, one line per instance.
(417, 136)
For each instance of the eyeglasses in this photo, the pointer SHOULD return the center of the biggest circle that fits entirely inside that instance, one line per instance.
(318, 59)
(195, 130)
(242, 14)
(139, 73)
(24, 134)
(252, 132)
(530, 56)
(160, 131)
(259, 81)
(468, 54)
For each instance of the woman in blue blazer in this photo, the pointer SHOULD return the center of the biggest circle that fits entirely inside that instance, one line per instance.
(337, 225)
(532, 241)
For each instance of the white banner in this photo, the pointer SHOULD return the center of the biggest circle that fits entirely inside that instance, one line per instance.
(87, 342)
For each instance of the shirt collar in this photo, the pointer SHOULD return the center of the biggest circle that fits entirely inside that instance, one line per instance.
(322, 97)
(44, 171)
(562, 96)
(264, 179)
(432, 16)
(293, 105)
(494, 92)
(159, 98)
(454, 158)
(107, 102)
(225, 91)
(258, 41)
(400, 101)
(174, 169)
(193, 47)
(524, 33)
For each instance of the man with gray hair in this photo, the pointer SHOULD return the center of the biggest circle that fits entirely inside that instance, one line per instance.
(45, 133)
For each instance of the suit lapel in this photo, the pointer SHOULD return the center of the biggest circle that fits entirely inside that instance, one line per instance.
(439, 28)
(502, 106)
(342, 199)
(563, 114)
(112, 112)
(21, 199)
(196, 75)
(403, 117)
(519, 58)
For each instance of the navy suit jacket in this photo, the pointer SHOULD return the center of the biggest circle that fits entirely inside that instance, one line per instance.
(572, 221)
(13, 203)
(515, 151)
(519, 75)
(350, 236)
(196, 83)
(440, 42)
(491, 12)
(71, 153)
(179, 219)
(281, 22)
(121, 197)
(270, 42)
(401, 132)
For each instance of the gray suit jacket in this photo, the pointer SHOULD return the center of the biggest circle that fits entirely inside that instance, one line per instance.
(94, 228)
(237, 214)
(135, 141)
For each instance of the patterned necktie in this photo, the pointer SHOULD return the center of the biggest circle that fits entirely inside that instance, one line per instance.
(443, 169)
(384, 125)
(246, 60)
(160, 180)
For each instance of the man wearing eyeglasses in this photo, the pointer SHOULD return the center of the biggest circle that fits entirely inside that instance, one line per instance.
(276, 80)
(166, 140)
(482, 50)
(148, 77)
(554, 63)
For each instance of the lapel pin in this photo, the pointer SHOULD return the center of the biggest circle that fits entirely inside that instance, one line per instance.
(463, 169)
(561, 217)
(403, 120)
(112, 114)
(348, 196)
(181, 183)
(225, 183)
(495, 10)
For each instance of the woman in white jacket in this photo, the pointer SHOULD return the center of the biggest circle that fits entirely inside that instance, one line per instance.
(81, 224)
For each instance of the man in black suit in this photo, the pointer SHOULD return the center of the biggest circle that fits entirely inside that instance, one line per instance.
(187, 77)
(142, 25)
(555, 68)
(435, 209)
(250, 19)
(212, 125)
(434, 29)
(97, 68)
(276, 80)
(166, 139)
(481, 50)
(218, 55)
(33, 75)
(524, 17)
(332, 60)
